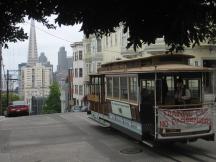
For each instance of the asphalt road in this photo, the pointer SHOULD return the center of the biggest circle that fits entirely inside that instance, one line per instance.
(72, 137)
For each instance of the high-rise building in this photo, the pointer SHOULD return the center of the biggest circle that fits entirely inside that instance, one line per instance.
(62, 67)
(35, 77)
(62, 60)
(32, 50)
(42, 59)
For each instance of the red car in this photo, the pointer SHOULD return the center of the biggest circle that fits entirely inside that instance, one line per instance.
(17, 110)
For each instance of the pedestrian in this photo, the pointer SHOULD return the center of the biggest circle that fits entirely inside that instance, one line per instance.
(178, 92)
(186, 95)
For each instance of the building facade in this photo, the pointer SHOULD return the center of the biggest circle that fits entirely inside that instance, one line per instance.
(93, 57)
(66, 90)
(114, 46)
(78, 77)
(70, 88)
(36, 81)
(205, 56)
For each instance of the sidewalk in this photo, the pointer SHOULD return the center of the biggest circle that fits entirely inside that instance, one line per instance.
(2, 118)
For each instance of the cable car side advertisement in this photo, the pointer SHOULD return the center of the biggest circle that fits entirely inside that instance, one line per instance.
(172, 122)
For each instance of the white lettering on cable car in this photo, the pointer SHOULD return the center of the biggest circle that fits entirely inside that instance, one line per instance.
(126, 123)
(184, 120)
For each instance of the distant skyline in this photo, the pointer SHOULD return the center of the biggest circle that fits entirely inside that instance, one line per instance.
(48, 41)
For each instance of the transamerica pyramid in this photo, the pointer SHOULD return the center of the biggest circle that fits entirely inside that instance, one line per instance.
(32, 50)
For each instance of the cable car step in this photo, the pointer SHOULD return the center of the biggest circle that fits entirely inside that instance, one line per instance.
(148, 143)
(99, 122)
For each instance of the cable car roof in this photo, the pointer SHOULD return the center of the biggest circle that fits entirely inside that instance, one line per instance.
(159, 68)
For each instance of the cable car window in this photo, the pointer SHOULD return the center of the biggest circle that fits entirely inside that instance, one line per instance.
(133, 89)
(147, 91)
(116, 87)
(148, 84)
(97, 85)
(194, 88)
(109, 86)
(124, 90)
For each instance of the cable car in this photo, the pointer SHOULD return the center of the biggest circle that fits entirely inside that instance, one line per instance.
(154, 99)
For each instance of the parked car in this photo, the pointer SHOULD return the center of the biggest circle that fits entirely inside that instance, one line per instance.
(76, 109)
(17, 108)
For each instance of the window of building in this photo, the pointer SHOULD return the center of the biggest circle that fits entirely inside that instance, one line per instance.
(106, 41)
(98, 65)
(109, 86)
(88, 48)
(87, 68)
(76, 73)
(80, 90)
(93, 49)
(76, 89)
(123, 88)
(80, 72)
(76, 56)
(80, 55)
(98, 45)
(116, 87)
(116, 39)
(72, 74)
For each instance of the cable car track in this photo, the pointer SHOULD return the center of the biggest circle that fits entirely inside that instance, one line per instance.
(182, 153)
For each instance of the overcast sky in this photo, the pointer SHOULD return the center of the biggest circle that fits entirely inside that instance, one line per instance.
(48, 41)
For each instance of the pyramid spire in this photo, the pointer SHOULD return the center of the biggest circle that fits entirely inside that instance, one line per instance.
(32, 50)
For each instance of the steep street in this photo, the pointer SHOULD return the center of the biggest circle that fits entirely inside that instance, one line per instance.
(72, 137)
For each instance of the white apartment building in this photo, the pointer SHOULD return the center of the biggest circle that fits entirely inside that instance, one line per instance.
(205, 56)
(92, 55)
(114, 46)
(106, 49)
(78, 77)
(36, 81)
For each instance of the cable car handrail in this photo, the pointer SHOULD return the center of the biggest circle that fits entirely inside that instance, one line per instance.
(185, 105)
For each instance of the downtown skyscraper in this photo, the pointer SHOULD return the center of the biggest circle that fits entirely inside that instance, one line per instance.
(32, 49)
(35, 77)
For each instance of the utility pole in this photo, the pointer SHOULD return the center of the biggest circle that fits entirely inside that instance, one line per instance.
(7, 88)
(42, 89)
(1, 111)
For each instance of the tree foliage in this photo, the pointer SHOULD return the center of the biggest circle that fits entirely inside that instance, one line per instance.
(53, 103)
(181, 23)
(12, 97)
